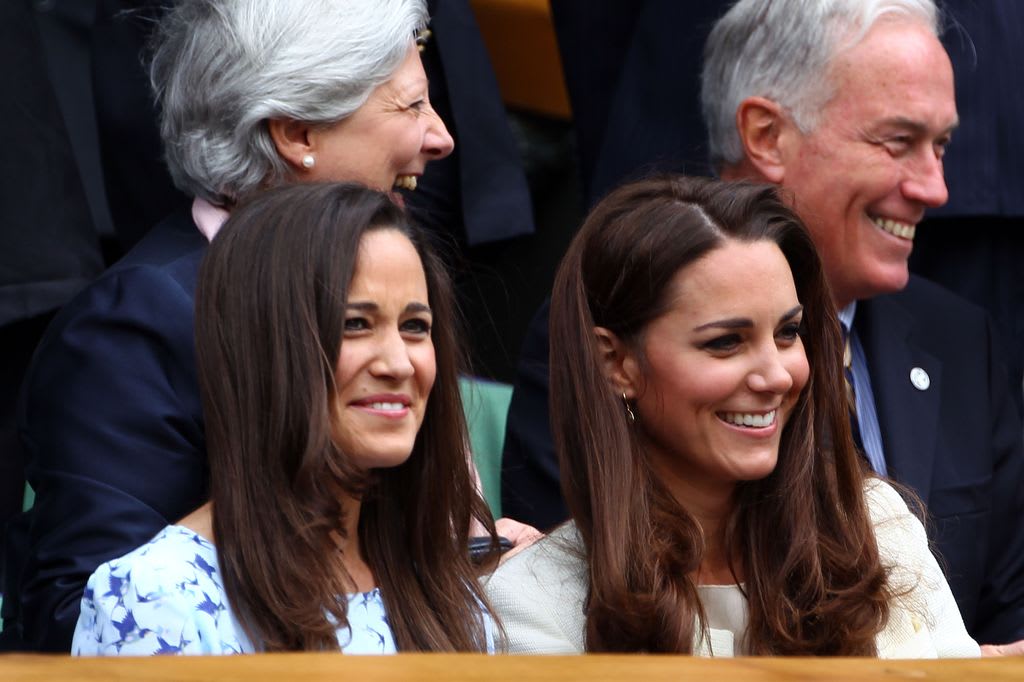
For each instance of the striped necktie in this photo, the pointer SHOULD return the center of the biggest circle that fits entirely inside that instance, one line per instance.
(851, 392)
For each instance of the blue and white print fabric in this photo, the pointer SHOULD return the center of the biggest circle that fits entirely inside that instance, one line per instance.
(166, 597)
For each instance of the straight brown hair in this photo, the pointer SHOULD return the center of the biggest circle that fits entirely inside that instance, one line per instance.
(270, 310)
(813, 579)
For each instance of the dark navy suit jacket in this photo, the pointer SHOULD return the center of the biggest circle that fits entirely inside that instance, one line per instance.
(958, 444)
(111, 421)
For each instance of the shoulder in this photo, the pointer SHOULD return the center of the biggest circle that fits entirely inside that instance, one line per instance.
(884, 503)
(924, 621)
(898, 531)
(133, 317)
(931, 303)
(160, 269)
(539, 594)
(164, 597)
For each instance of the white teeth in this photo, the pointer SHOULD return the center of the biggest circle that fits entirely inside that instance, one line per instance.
(406, 182)
(748, 419)
(899, 229)
(387, 407)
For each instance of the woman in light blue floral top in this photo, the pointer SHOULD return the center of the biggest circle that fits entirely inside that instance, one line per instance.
(166, 597)
(341, 500)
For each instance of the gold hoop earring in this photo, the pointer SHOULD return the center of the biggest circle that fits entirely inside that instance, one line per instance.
(629, 411)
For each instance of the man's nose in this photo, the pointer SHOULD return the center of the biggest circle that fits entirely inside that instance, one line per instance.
(925, 182)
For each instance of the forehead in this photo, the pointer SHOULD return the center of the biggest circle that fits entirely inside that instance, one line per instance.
(408, 78)
(388, 265)
(737, 278)
(898, 71)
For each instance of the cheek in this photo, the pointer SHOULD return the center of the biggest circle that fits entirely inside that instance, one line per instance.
(425, 363)
(799, 369)
(409, 143)
(347, 368)
(676, 390)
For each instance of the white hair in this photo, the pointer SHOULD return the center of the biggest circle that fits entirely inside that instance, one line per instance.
(221, 69)
(781, 50)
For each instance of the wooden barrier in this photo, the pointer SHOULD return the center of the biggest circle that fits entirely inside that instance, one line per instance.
(474, 668)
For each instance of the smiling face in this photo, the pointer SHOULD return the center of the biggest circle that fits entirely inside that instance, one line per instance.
(722, 369)
(863, 178)
(386, 368)
(388, 141)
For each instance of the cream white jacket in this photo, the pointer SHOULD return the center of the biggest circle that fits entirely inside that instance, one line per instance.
(539, 593)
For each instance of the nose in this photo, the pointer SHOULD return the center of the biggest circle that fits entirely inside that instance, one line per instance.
(770, 374)
(392, 358)
(925, 181)
(437, 143)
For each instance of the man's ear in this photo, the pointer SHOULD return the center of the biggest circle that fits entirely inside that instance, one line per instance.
(292, 139)
(763, 127)
(620, 365)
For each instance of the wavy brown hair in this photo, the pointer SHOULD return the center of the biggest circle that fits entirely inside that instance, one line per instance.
(270, 311)
(802, 535)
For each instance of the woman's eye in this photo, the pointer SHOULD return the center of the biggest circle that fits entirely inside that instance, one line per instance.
(418, 105)
(416, 326)
(722, 343)
(356, 324)
(789, 331)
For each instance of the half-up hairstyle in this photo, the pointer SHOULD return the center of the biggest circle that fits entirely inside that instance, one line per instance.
(802, 535)
(270, 312)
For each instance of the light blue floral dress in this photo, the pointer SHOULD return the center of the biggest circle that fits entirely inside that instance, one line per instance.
(166, 597)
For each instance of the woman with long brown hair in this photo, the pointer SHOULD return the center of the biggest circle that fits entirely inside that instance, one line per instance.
(719, 505)
(340, 496)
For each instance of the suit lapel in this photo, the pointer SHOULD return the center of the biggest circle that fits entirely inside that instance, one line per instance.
(907, 416)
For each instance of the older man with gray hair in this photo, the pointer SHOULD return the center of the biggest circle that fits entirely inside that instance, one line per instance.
(849, 105)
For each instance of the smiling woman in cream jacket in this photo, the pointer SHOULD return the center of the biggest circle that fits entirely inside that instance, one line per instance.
(719, 504)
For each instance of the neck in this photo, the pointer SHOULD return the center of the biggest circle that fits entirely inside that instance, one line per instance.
(712, 515)
(200, 521)
(710, 503)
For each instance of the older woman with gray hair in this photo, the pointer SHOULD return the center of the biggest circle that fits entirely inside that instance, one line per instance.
(253, 94)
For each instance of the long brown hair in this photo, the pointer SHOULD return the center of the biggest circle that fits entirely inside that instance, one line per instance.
(814, 582)
(270, 309)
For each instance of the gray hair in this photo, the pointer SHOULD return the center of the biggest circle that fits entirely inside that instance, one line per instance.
(221, 69)
(781, 50)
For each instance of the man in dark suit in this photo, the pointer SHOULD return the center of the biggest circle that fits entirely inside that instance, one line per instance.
(853, 124)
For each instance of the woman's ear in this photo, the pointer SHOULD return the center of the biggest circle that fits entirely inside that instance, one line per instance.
(620, 364)
(293, 141)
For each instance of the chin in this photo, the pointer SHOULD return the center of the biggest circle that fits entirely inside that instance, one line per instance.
(758, 469)
(384, 455)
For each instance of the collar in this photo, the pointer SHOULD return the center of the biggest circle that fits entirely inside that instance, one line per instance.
(846, 316)
(208, 218)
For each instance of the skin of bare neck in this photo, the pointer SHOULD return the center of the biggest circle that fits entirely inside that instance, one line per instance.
(710, 506)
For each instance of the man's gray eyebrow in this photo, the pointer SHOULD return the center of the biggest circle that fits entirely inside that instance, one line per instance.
(911, 124)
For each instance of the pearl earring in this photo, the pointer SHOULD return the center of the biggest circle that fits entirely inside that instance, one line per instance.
(308, 161)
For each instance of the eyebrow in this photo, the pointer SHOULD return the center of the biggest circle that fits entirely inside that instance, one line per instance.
(370, 307)
(745, 322)
(916, 127)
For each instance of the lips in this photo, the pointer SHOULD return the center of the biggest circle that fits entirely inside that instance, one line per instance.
(752, 420)
(895, 227)
(388, 405)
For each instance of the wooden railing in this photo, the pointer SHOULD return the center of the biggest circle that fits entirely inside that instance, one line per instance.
(466, 667)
